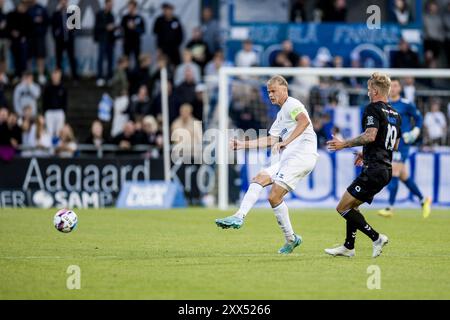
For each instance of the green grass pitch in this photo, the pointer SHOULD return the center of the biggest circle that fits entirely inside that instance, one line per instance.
(181, 254)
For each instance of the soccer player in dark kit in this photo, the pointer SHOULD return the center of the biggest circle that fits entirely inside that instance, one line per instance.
(381, 136)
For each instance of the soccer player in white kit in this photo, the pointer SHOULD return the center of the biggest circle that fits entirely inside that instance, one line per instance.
(298, 148)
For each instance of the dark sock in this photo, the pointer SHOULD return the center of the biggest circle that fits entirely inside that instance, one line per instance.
(412, 186)
(357, 219)
(393, 188)
(351, 236)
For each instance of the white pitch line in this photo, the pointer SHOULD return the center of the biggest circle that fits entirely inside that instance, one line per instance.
(55, 257)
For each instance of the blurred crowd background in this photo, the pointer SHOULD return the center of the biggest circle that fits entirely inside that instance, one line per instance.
(50, 107)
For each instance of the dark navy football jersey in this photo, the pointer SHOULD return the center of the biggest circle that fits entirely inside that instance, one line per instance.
(388, 121)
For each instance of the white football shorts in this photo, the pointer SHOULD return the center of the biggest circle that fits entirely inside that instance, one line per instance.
(291, 169)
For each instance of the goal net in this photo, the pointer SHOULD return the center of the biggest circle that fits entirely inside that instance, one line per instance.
(334, 98)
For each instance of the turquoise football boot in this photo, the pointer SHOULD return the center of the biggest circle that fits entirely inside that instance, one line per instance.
(290, 246)
(230, 222)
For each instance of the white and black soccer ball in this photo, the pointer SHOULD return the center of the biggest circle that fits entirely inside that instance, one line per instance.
(65, 220)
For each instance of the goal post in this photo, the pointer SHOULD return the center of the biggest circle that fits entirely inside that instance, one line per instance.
(225, 74)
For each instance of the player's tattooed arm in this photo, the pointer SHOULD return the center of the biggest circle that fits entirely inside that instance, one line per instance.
(368, 136)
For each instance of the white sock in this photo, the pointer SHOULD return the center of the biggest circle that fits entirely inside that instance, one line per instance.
(249, 200)
(282, 215)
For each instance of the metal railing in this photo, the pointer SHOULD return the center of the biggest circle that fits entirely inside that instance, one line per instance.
(83, 149)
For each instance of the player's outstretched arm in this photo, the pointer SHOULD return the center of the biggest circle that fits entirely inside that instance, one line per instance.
(262, 142)
(366, 137)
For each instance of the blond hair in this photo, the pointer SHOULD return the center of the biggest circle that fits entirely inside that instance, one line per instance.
(277, 80)
(381, 81)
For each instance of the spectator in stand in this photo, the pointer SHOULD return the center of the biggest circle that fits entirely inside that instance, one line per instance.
(356, 82)
(430, 62)
(188, 63)
(64, 38)
(323, 58)
(185, 91)
(288, 50)
(298, 12)
(340, 11)
(38, 34)
(329, 115)
(434, 33)
(409, 89)
(247, 57)
(3, 83)
(6, 150)
(330, 107)
(320, 131)
(152, 134)
(338, 62)
(448, 112)
(19, 26)
(197, 104)
(127, 138)
(304, 83)
(405, 57)
(67, 145)
(26, 93)
(119, 81)
(244, 108)
(25, 122)
(218, 61)
(199, 48)
(186, 134)
(104, 35)
(139, 106)
(333, 11)
(96, 136)
(15, 132)
(401, 12)
(212, 78)
(133, 27)
(54, 103)
(10, 135)
(4, 113)
(155, 72)
(169, 33)
(448, 120)
(446, 22)
(281, 60)
(211, 30)
(4, 42)
(435, 124)
(174, 105)
(141, 75)
(40, 141)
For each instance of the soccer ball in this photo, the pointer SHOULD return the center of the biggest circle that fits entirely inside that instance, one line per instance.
(65, 220)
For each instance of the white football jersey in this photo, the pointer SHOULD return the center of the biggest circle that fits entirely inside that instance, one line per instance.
(285, 124)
